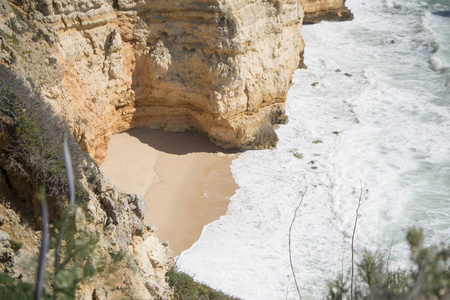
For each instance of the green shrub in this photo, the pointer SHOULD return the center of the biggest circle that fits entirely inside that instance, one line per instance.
(16, 289)
(187, 289)
(47, 38)
(117, 256)
(93, 177)
(34, 146)
(12, 24)
(75, 260)
(32, 150)
(428, 279)
(15, 246)
(9, 38)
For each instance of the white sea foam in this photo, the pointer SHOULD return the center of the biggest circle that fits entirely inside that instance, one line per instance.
(437, 62)
(384, 128)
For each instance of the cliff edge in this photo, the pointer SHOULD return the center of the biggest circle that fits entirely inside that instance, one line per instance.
(325, 10)
(93, 68)
(219, 67)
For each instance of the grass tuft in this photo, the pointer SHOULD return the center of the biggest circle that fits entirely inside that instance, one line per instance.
(187, 289)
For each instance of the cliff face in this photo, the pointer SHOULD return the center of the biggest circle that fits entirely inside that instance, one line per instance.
(219, 67)
(325, 10)
(116, 221)
(124, 257)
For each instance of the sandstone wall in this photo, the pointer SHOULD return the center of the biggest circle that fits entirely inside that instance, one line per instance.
(219, 67)
(325, 10)
(116, 220)
(93, 92)
(127, 261)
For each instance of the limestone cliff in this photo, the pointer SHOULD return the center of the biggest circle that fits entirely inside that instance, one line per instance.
(125, 259)
(219, 67)
(325, 10)
(97, 68)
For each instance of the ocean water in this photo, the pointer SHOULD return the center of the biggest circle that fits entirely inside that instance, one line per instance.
(376, 124)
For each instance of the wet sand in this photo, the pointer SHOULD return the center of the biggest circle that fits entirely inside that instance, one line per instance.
(185, 180)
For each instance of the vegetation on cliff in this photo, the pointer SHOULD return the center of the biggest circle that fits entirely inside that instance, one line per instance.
(104, 234)
(429, 278)
(33, 147)
(185, 288)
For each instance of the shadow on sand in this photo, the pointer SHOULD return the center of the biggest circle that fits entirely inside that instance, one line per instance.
(179, 143)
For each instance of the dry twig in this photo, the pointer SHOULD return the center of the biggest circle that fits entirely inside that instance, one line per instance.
(290, 233)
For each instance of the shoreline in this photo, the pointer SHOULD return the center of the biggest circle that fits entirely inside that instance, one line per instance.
(185, 180)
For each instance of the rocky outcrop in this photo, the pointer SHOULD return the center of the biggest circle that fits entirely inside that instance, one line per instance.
(325, 10)
(222, 68)
(219, 67)
(124, 255)
(124, 243)
(119, 230)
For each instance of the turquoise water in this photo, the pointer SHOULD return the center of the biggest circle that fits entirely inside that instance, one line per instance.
(384, 130)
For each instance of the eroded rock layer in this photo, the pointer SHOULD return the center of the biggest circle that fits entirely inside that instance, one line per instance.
(106, 223)
(325, 10)
(219, 67)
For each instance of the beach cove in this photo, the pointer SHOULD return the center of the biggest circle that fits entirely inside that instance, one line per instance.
(185, 180)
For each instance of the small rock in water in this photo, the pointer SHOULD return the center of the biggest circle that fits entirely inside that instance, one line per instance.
(338, 70)
(392, 42)
(314, 167)
(317, 142)
(298, 155)
(348, 75)
(336, 132)
(314, 83)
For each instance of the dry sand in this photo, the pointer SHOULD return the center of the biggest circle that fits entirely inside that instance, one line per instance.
(185, 180)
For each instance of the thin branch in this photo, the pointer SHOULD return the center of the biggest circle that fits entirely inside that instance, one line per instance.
(69, 258)
(65, 217)
(9, 113)
(389, 256)
(353, 239)
(290, 233)
(44, 247)
(69, 172)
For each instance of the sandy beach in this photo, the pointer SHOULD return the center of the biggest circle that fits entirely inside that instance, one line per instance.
(185, 180)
